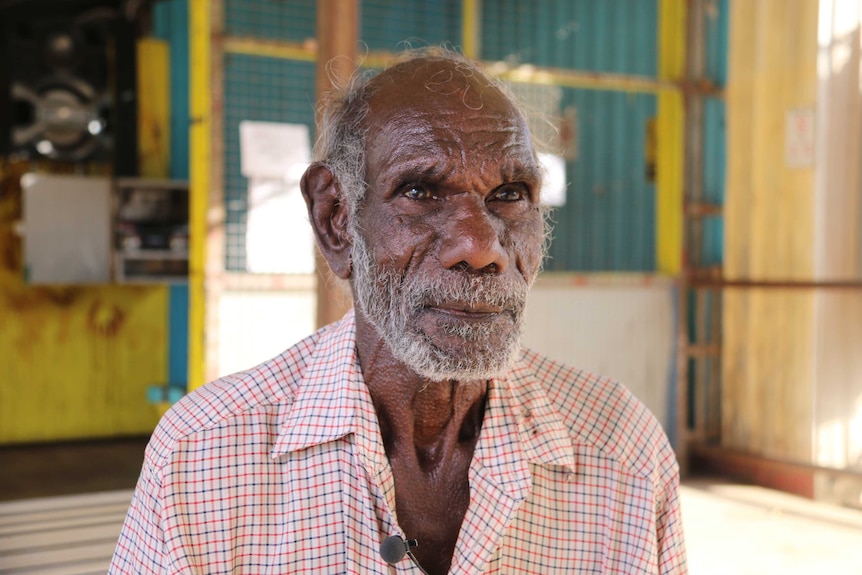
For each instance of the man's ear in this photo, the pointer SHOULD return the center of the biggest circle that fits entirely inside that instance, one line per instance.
(328, 216)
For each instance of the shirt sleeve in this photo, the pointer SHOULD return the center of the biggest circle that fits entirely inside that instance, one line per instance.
(141, 547)
(669, 530)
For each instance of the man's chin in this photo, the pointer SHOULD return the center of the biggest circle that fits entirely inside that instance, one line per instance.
(457, 358)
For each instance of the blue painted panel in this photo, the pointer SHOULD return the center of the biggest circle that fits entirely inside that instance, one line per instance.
(714, 131)
(171, 23)
(178, 334)
(715, 39)
(608, 221)
(388, 24)
(714, 162)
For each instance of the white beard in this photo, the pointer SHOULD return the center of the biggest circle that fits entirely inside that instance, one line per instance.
(464, 349)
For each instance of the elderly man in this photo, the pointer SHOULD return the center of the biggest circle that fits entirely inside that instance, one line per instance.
(417, 421)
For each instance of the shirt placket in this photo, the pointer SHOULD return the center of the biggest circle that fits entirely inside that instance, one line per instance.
(499, 484)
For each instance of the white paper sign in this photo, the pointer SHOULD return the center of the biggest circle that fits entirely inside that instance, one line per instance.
(272, 149)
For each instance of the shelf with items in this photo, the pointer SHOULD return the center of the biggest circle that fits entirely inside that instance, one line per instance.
(151, 231)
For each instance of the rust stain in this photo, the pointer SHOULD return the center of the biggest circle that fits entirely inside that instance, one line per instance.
(10, 212)
(105, 319)
(61, 296)
(10, 251)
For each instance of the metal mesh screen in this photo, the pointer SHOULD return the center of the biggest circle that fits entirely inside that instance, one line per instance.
(390, 25)
(288, 20)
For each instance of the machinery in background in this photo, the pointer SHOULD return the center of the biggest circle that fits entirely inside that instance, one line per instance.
(68, 83)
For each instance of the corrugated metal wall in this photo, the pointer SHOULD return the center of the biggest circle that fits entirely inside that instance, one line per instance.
(614, 325)
(838, 246)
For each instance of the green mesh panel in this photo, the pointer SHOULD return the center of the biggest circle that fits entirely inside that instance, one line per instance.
(287, 20)
(265, 90)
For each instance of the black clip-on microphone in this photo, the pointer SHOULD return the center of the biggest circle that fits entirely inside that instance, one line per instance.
(394, 548)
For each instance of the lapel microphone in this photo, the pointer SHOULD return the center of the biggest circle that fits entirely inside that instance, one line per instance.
(394, 548)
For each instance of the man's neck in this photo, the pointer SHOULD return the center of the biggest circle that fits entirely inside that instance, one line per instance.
(430, 430)
(432, 417)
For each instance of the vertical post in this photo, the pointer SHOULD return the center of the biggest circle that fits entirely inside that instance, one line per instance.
(337, 40)
(214, 270)
(698, 382)
(670, 132)
(470, 38)
(199, 182)
(670, 165)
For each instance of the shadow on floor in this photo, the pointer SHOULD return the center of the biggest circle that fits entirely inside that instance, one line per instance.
(67, 468)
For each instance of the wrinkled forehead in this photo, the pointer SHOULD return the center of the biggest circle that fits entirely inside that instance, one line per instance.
(424, 96)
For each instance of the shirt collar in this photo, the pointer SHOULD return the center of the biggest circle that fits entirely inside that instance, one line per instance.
(332, 401)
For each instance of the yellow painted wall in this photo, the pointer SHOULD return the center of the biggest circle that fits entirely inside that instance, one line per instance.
(77, 360)
(769, 231)
(154, 149)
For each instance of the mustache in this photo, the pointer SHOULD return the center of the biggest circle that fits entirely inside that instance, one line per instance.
(471, 291)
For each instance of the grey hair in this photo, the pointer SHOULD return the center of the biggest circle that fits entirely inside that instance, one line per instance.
(342, 131)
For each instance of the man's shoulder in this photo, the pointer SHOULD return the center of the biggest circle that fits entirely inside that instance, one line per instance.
(601, 414)
(256, 393)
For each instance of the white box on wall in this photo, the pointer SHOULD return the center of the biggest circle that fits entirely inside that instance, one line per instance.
(67, 229)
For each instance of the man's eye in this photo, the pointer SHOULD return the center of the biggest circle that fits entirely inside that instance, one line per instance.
(510, 193)
(418, 193)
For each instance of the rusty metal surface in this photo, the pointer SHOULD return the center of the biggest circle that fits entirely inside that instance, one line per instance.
(77, 360)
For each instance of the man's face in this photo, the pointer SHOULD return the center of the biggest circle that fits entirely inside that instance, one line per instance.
(449, 237)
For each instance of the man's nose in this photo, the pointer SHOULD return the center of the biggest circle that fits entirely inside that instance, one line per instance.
(471, 241)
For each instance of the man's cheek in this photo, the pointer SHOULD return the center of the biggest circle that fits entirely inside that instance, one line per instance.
(527, 242)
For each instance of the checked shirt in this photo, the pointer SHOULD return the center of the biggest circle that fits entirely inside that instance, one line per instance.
(281, 469)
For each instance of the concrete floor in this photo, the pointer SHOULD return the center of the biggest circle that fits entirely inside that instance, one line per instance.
(734, 529)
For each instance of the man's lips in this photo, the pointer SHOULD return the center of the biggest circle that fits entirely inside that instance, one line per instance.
(466, 310)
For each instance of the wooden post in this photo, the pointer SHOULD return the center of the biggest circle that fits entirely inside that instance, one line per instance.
(337, 40)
